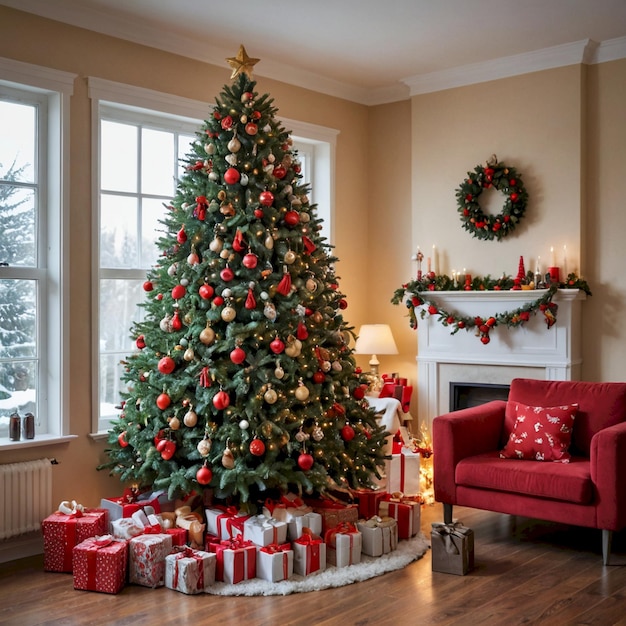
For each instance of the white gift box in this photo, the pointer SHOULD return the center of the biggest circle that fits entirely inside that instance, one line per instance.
(312, 521)
(190, 571)
(379, 535)
(235, 564)
(308, 557)
(263, 531)
(403, 472)
(276, 565)
(224, 523)
(344, 548)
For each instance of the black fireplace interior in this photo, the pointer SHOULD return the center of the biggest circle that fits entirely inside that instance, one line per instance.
(466, 395)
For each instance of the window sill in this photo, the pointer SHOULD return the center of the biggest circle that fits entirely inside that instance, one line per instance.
(100, 436)
(40, 440)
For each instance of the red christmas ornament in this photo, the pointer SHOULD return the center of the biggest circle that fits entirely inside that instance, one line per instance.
(218, 301)
(343, 304)
(160, 446)
(121, 439)
(206, 291)
(347, 433)
(305, 461)
(250, 260)
(284, 286)
(319, 377)
(239, 243)
(158, 437)
(166, 365)
(168, 450)
(309, 246)
(140, 342)
(232, 176)
(277, 346)
(266, 198)
(238, 355)
(250, 300)
(177, 324)
(204, 475)
(257, 447)
(358, 393)
(485, 339)
(227, 274)
(292, 218)
(258, 213)
(181, 236)
(221, 400)
(148, 286)
(227, 122)
(252, 128)
(163, 401)
(302, 333)
(178, 292)
(279, 172)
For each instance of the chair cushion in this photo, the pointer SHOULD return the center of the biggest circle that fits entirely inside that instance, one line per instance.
(541, 433)
(569, 482)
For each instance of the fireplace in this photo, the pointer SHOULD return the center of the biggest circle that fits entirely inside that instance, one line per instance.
(466, 395)
(530, 351)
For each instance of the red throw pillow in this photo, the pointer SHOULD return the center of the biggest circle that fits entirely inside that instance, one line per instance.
(541, 433)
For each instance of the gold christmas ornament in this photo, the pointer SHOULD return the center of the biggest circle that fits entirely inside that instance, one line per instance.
(204, 446)
(270, 396)
(189, 355)
(190, 419)
(228, 314)
(174, 423)
(207, 336)
(302, 392)
(228, 460)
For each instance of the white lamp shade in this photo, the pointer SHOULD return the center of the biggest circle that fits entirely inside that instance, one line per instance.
(375, 339)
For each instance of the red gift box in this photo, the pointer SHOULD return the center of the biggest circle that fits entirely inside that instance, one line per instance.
(309, 554)
(100, 564)
(236, 560)
(333, 513)
(179, 536)
(62, 531)
(401, 392)
(368, 501)
(406, 511)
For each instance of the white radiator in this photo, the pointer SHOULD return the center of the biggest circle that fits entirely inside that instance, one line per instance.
(25, 496)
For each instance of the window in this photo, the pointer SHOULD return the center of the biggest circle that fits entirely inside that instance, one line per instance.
(33, 338)
(141, 137)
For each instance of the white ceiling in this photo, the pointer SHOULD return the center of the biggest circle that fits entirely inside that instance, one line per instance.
(364, 50)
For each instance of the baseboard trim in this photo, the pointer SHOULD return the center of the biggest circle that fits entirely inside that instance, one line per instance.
(21, 547)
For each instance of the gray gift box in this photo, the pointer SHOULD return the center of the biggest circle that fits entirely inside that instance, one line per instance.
(452, 548)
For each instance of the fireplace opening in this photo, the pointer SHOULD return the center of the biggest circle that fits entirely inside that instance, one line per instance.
(466, 395)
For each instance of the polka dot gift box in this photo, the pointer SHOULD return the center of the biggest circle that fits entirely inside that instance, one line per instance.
(100, 564)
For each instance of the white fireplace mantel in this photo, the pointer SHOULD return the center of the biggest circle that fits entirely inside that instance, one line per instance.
(532, 350)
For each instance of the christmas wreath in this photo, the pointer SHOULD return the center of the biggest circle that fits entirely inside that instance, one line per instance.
(504, 179)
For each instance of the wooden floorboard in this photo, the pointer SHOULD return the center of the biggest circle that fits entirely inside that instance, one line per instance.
(527, 572)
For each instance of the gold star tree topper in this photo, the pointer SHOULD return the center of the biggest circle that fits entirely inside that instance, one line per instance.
(242, 63)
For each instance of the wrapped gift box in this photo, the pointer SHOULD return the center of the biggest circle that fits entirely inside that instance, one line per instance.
(62, 531)
(367, 501)
(147, 559)
(343, 545)
(403, 472)
(379, 535)
(406, 511)
(179, 536)
(274, 562)
(123, 507)
(263, 531)
(334, 513)
(125, 528)
(309, 554)
(452, 548)
(224, 522)
(236, 560)
(295, 513)
(190, 571)
(100, 564)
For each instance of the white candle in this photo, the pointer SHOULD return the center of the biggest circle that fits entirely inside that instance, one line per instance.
(434, 260)
(538, 267)
(552, 256)
(564, 262)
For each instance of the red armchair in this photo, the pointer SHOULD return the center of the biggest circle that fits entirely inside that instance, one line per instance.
(588, 491)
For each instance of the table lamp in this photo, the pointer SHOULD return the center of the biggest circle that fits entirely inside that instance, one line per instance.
(375, 339)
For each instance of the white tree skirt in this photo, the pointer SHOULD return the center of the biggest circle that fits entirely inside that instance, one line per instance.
(408, 551)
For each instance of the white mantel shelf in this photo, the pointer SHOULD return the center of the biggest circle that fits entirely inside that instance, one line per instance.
(532, 350)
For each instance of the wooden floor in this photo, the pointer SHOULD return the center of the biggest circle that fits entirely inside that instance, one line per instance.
(527, 572)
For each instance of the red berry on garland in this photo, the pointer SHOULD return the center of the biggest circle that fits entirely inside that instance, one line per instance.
(221, 400)
(524, 316)
(238, 355)
(485, 339)
(512, 182)
(461, 324)
(204, 475)
(483, 328)
(491, 321)
(514, 197)
(121, 439)
(450, 320)
(148, 286)
(166, 365)
(257, 447)
(140, 342)
(432, 309)
(305, 462)
(163, 401)
(347, 433)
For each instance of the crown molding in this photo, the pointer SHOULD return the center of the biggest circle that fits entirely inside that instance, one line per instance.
(505, 67)
(610, 50)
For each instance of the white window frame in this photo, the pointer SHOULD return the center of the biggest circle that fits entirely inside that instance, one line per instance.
(52, 89)
(317, 141)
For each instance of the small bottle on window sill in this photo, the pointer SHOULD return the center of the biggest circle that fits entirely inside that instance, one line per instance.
(29, 426)
(15, 427)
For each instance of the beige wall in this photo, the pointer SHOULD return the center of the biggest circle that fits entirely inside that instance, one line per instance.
(398, 166)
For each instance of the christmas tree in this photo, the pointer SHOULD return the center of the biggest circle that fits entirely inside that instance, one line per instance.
(243, 380)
